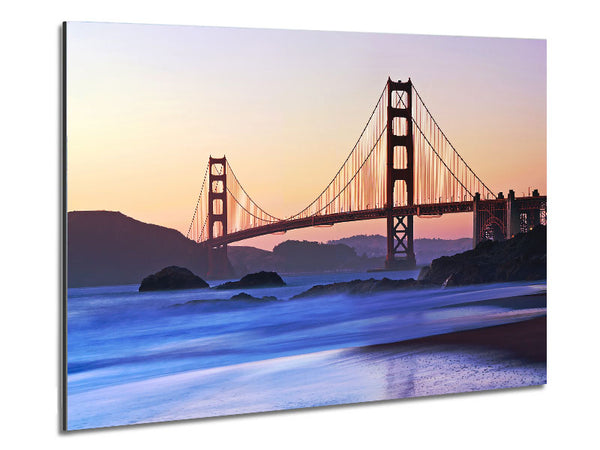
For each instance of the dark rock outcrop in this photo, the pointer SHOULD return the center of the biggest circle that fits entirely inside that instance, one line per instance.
(255, 280)
(361, 287)
(170, 278)
(423, 272)
(244, 296)
(521, 258)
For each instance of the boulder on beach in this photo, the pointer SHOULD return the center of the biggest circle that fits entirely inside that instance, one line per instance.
(170, 278)
(255, 280)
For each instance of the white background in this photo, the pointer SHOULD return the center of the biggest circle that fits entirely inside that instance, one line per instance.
(564, 413)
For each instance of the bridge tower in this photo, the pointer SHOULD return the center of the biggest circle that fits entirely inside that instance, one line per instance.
(218, 263)
(400, 249)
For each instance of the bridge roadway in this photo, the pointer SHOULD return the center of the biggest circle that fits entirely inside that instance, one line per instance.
(433, 209)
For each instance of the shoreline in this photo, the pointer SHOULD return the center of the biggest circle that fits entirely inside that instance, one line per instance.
(525, 340)
(525, 301)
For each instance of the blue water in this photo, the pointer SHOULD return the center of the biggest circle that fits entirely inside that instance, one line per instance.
(141, 357)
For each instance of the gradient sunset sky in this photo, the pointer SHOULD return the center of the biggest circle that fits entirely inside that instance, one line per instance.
(148, 104)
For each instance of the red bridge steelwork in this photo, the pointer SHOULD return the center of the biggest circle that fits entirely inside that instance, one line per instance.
(401, 166)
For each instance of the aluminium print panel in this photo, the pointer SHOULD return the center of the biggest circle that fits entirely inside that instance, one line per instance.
(262, 220)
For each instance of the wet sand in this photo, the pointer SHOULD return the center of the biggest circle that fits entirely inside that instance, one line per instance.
(523, 340)
(517, 302)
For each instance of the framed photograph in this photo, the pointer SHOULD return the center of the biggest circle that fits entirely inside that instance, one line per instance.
(260, 220)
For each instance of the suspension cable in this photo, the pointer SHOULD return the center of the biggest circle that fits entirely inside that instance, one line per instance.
(247, 195)
(345, 161)
(361, 166)
(450, 143)
(256, 217)
(356, 173)
(198, 202)
(203, 227)
(435, 151)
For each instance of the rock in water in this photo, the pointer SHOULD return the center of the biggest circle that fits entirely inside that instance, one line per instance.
(255, 280)
(361, 287)
(244, 296)
(170, 278)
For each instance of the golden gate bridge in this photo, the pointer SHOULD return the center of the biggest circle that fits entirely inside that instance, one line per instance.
(402, 165)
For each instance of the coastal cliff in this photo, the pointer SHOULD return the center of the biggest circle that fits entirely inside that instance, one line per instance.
(521, 258)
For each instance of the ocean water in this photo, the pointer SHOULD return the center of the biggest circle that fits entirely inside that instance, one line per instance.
(145, 357)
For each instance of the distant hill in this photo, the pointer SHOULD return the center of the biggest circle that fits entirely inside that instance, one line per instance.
(305, 256)
(247, 260)
(300, 257)
(426, 250)
(108, 248)
(370, 245)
